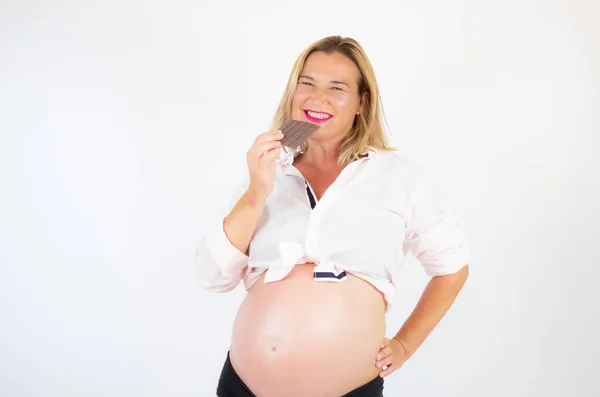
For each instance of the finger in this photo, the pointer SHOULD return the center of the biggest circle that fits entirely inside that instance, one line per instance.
(266, 143)
(274, 153)
(385, 361)
(269, 136)
(270, 155)
(386, 351)
(385, 342)
(261, 149)
(387, 371)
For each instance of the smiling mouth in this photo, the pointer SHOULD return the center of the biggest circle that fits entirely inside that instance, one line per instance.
(317, 117)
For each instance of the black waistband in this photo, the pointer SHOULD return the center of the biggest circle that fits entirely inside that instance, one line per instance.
(230, 385)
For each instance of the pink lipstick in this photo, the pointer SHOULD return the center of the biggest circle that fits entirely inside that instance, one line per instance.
(325, 116)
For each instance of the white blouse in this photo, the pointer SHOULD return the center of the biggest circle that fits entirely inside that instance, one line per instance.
(380, 208)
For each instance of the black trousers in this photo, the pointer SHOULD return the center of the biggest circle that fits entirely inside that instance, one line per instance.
(230, 385)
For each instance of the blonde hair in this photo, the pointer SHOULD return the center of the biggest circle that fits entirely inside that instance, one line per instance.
(367, 131)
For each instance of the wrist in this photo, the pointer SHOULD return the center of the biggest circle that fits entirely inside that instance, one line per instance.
(255, 196)
(403, 345)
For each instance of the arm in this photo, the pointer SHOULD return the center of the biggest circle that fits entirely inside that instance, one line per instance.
(241, 222)
(222, 254)
(437, 241)
(438, 296)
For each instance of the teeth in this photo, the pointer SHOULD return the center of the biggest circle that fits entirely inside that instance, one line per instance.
(320, 116)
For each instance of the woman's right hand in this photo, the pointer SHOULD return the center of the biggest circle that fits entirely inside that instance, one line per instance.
(261, 162)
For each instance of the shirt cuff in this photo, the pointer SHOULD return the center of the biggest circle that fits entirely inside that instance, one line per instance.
(229, 259)
(450, 261)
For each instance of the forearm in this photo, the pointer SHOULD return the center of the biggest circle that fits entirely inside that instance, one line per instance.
(240, 223)
(438, 296)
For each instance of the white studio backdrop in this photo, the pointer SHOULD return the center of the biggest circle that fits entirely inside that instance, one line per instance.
(124, 126)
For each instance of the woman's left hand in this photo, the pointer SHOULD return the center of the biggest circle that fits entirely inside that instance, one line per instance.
(391, 354)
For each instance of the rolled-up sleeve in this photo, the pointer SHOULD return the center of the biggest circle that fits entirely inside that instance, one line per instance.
(435, 235)
(218, 264)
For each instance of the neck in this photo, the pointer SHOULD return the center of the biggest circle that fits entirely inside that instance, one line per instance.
(322, 156)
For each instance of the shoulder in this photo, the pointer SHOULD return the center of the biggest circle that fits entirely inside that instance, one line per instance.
(397, 167)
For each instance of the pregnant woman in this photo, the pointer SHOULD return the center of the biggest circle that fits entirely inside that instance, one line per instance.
(318, 235)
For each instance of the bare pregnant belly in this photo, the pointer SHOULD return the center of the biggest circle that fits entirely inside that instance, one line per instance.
(300, 337)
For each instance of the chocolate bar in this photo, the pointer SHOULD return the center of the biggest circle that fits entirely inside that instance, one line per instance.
(296, 132)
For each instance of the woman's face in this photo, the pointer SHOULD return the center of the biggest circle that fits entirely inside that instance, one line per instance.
(327, 95)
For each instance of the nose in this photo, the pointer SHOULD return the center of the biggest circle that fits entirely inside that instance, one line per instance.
(319, 96)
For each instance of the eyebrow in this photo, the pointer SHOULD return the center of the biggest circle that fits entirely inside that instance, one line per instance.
(332, 82)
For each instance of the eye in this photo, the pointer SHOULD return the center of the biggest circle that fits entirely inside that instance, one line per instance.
(306, 83)
(337, 89)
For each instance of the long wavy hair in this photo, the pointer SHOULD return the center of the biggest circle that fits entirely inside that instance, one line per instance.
(367, 131)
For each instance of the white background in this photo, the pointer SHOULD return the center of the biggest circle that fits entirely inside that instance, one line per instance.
(124, 125)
